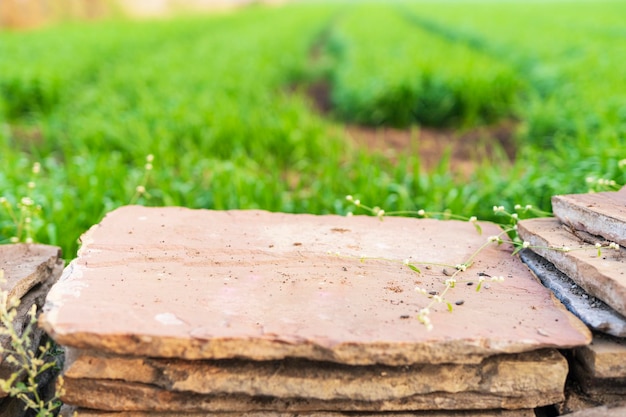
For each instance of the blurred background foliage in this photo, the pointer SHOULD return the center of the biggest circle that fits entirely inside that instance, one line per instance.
(249, 108)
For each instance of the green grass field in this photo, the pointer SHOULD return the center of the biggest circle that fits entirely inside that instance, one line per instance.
(220, 102)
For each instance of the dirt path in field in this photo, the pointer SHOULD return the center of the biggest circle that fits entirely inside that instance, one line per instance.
(467, 149)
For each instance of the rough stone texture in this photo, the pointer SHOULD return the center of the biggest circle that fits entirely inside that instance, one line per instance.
(605, 357)
(593, 312)
(26, 265)
(533, 374)
(604, 411)
(193, 284)
(602, 214)
(69, 412)
(596, 386)
(127, 396)
(30, 271)
(603, 277)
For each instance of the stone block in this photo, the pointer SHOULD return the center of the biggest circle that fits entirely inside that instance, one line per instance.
(69, 412)
(200, 284)
(602, 276)
(596, 386)
(532, 375)
(112, 395)
(605, 357)
(602, 214)
(593, 312)
(26, 265)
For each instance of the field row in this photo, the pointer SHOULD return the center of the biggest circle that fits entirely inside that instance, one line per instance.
(215, 100)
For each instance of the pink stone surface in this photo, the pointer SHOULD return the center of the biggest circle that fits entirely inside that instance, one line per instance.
(602, 214)
(26, 265)
(175, 282)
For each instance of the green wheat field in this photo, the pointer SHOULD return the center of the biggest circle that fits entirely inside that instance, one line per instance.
(221, 103)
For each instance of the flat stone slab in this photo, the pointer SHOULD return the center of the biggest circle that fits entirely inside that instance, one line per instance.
(105, 394)
(200, 284)
(26, 265)
(80, 412)
(602, 214)
(593, 312)
(596, 386)
(532, 374)
(605, 357)
(603, 277)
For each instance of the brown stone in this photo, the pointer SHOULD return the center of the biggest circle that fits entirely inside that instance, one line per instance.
(30, 271)
(200, 284)
(601, 276)
(605, 357)
(115, 395)
(69, 412)
(596, 386)
(26, 265)
(602, 214)
(530, 374)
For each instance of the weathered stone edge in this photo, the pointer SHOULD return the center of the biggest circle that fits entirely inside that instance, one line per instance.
(600, 318)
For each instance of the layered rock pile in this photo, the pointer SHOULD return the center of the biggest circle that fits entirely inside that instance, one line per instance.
(179, 312)
(28, 273)
(576, 254)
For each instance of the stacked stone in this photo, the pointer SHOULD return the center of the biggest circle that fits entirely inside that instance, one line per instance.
(576, 255)
(29, 272)
(179, 312)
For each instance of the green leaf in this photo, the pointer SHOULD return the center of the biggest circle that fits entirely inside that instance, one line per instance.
(478, 228)
(480, 284)
(414, 268)
(449, 306)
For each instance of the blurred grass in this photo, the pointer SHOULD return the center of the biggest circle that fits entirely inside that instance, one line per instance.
(213, 99)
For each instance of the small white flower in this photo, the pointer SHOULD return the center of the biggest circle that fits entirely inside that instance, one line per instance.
(357, 202)
(140, 189)
(514, 215)
(497, 279)
(613, 245)
(528, 207)
(566, 249)
(14, 239)
(518, 207)
(473, 219)
(149, 158)
(349, 214)
(148, 167)
(421, 212)
(526, 244)
(31, 184)
(598, 245)
(438, 298)
(405, 262)
(349, 198)
(36, 168)
(450, 282)
(621, 163)
(461, 267)
(27, 201)
(380, 213)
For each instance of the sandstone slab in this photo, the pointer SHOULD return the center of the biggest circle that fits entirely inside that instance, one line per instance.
(200, 284)
(532, 374)
(596, 386)
(602, 214)
(594, 312)
(26, 265)
(605, 357)
(112, 395)
(601, 276)
(81, 412)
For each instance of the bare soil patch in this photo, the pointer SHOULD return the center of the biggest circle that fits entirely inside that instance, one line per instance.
(467, 149)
